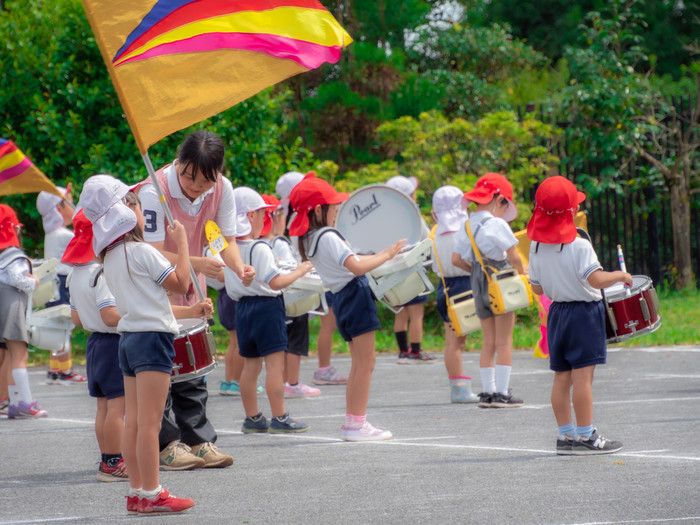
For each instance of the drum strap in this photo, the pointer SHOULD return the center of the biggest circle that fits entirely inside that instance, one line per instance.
(317, 237)
(249, 257)
(444, 286)
(95, 276)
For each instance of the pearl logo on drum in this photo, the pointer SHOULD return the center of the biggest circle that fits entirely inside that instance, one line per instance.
(360, 212)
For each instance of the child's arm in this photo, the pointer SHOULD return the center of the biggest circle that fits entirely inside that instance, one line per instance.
(461, 263)
(515, 259)
(75, 318)
(537, 289)
(178, 282)
(367, 263)
(110, 316)
(199, 309)
(600, 279)
(283, 280)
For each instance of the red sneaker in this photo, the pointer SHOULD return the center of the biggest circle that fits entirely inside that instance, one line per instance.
(164, 503)
(132, 504)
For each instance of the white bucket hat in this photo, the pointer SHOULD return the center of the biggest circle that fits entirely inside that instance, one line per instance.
(102, 204)
(405, 185)
(247, 200)
(46, 204)
(447, 208)
(285, 184)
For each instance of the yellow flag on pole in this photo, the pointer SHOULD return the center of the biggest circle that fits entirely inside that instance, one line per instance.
(174, 63)
(19, 175)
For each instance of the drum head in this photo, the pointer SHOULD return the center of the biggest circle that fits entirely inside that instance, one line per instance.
(190, 326)
(376, 216)
(618, 289)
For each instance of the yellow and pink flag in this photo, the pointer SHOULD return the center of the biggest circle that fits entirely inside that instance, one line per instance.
(176, 62)
(18, 174)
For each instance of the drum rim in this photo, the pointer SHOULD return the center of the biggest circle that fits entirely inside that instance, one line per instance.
(199, 323)
(621, 295)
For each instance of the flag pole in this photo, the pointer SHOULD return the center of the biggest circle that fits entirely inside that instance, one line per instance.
(169, 216)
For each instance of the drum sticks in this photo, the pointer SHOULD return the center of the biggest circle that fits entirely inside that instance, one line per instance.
(621, 259)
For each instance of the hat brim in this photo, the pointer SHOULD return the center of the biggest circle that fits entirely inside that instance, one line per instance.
(118, 220)
(449, 220)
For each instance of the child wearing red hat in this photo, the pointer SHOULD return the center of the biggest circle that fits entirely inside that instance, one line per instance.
(316, 205)
(493, 196)
(16, 283)
(566, 268)
(93, 307)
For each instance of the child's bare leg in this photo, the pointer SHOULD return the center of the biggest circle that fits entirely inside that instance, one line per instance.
(325, 339)
(152, 387)
(249, 380)
(561, 397)
(401, 320)
(363, 359)
(292, 365)
(113, 426)
(415, 315)
(274, 382)
(233, 361)
(503, 342)
(582, 396)
(453, 352)
(130, 431)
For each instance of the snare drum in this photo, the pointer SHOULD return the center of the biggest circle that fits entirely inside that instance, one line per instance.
(195, 350)
(631, 314)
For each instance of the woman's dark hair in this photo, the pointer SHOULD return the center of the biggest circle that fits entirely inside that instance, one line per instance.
(202, 151)
(504, 202)
(314, 224)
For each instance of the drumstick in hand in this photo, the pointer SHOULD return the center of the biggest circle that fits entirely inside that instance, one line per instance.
(621, 259)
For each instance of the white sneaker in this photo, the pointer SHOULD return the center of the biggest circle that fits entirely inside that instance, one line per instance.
(365, 433)
(300, 390)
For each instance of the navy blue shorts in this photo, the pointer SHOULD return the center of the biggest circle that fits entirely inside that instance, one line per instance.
(298, 335)
(419, 299)
(576, 335)
(226, 310)
(63, 292)
(265, 329)
(144, 351)
(455, 286)
(355, 309)
(329, 299)
(104, 378)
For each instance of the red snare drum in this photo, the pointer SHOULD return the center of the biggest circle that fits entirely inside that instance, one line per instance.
(631, 314)
(195, 350)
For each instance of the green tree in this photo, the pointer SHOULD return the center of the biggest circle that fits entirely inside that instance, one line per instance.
(438, 151)
(615, 116)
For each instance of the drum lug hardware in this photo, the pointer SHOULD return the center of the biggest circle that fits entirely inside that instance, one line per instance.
(611, 317)
(212, 343)
(645, 309)
(190, 353)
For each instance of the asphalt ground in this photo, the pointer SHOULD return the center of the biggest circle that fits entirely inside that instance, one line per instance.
(447, 463)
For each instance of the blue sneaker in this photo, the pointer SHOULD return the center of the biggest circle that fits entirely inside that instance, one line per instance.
(285, 425)
(232, 388)
(225, 388)
(255, 424)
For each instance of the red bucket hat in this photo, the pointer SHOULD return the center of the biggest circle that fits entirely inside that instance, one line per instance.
(273, 201)
(79, 249)
(489, 185)
(552, 221)
(8, 221)
(308, 194)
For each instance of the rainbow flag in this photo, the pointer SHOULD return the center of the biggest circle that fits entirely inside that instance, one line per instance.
(18, 174)
(176, 62)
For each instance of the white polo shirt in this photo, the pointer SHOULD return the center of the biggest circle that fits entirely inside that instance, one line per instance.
(329, 259)
(154, 227)
(136, 283)
(563, 272)
(445, 248)
(266, 269)
(87, 300)
(493, 239)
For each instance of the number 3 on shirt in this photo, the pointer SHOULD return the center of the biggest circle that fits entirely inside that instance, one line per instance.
(149, 221)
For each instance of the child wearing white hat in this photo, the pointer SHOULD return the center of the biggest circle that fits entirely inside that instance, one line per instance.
(449, 216)
(56, 214)
(140, 278)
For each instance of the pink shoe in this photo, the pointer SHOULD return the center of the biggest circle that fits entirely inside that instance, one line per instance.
(300, 390)
(23, 410)
(328, 376)
(365, 433)
(164, 503)
(132, 504)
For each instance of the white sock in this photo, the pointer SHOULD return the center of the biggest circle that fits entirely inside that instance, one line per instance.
(488, 380)
(22, 384)
(151, 494)
(502, 378)
(134, 492)
(14, 394)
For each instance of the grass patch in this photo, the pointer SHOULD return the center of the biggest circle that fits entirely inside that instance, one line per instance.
(679, 312)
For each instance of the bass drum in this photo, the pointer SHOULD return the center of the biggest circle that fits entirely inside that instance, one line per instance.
(376, 216)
